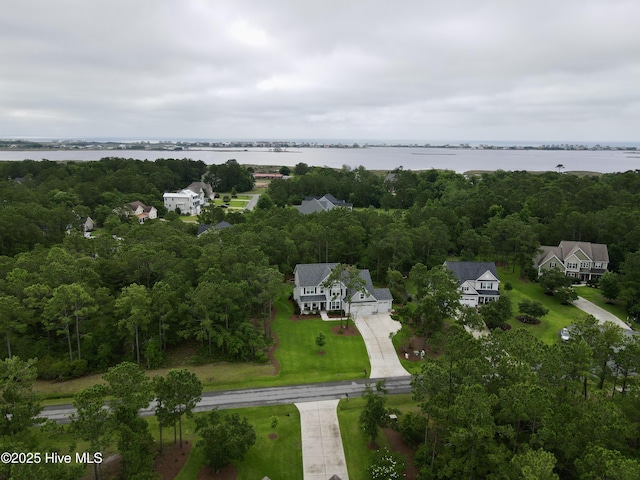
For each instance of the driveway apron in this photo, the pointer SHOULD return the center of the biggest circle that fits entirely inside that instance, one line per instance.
(322, 450)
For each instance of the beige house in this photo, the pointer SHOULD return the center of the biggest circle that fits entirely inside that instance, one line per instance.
(581, 260)
(142, 211)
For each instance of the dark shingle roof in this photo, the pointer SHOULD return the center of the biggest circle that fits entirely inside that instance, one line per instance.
(222, 225)
(203, 227)
(470, 270)
(312, 274)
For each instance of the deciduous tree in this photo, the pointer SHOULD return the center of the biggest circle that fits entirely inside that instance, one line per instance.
(224, 439)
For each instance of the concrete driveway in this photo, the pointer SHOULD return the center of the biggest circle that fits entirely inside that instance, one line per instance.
(600, 314)
(375, 330)
(322, 450)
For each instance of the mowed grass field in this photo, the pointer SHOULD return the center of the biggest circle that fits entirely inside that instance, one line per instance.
(276, 458)
(354, 441)
(559, 315)
(345, 357)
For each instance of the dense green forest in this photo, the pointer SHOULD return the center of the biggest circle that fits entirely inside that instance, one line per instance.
(81, 304)
(509, 405)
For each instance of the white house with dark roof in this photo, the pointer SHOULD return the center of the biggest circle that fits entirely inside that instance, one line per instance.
(311, 295)
(322, 204)
(582, 260)
(478, 281)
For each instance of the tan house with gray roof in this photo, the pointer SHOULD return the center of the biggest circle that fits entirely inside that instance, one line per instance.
(581, 260)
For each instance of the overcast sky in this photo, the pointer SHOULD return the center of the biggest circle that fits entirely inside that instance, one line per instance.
(424, 70)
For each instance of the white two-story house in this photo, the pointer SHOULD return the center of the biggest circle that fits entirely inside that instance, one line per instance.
(478, 282)
(581, 260)
(187, 201)
(311, 295)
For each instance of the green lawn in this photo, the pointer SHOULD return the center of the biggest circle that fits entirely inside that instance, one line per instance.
(559, 315)
(345, 357)
(278, 458)
(358, 456)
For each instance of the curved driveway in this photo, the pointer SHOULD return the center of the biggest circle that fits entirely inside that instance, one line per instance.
(375, 331)
(599, 313)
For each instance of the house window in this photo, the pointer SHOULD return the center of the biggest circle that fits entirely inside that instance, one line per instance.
(572, 265)
(309, 290)
(486, 285)
(321, 290)
(361, 296)
(584, 264)
(597, 265)
(552, 264)
(465, 289)
(335, 305)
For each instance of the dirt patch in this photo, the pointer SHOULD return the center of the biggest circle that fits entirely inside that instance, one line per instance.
(296, 318)
(227, 473)
(273, 436)
(399, 446)
(173, 458)
(373, 446)
(350, 331)
(417, 344)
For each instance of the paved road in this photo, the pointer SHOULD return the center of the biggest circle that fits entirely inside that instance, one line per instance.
(254, 397)
(253, 202)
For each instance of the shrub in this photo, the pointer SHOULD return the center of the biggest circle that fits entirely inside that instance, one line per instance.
(508, 286)
(386, 467)
(62, 370)
(261, 357)
(532, 308)
(528, 319)
(412, 427)
(226, 199)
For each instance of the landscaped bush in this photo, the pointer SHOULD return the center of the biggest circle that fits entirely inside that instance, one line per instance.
(508, 286)
(412, 427)
(528, 319)
(50, 369)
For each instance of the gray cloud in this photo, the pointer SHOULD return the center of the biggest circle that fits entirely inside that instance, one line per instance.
(412, 69)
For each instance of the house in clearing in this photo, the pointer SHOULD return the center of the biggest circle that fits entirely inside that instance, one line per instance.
(321, 204)
(186, 201)
(478, 281)
(311, 295)
(142, 211)
(582, 260)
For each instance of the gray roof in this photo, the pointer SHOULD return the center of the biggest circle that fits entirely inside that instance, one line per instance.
(382, 294)
(312, 274)
(597, 252)
(470, 270)
(203, 227)
(222, 225)
(310, 206)
(320, 204)
(313, 298)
